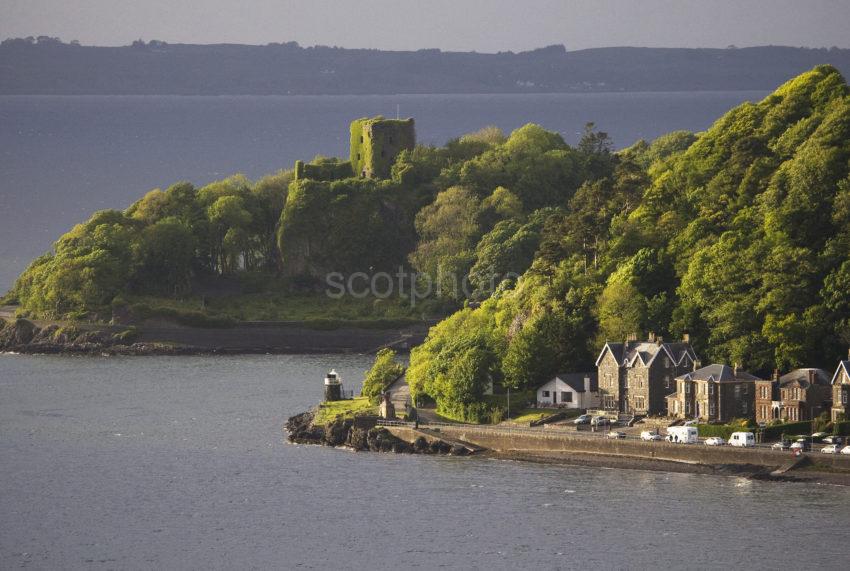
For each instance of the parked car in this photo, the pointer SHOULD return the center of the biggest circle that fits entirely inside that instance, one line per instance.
(819, 436)
(615, 435)
(650, 436)
(782, 445)
(834, 440)
(715, 441)
(845, 450)
(802, 444)
(583, 419)
(831, 449)
(600, 421)
(742, 439)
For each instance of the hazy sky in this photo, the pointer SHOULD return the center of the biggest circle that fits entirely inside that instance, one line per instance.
(482, 25)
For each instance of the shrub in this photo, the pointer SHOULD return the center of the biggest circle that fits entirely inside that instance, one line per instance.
(473, 413)
(841, 427)
(383, 372)
(778, 430)
(725, 430)
(187, 317)
(126, 337)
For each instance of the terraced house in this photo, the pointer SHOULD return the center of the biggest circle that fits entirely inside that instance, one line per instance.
(799, 395)
(716, 393)
(635, 376)
(841, 391)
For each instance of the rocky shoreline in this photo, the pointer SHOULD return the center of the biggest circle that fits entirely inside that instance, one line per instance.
(25, 337)
(162, 338)
(361, 434)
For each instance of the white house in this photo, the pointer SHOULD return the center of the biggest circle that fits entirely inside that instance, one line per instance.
(570, 390)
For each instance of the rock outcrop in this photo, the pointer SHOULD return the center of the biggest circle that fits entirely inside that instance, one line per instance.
(24, 336)
(361, 437)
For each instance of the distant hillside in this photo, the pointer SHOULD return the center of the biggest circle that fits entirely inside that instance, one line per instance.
(47, 66)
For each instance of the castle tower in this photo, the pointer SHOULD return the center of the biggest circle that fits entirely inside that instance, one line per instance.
(333, 387)
(375, 144)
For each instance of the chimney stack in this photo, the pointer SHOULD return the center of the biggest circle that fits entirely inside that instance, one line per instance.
(697, 364)
(776, 375)
(659, 340)
(811, 376)
(735, 369)
(686, 338)
(651, 337)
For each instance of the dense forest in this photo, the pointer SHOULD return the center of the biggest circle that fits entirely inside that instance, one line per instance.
(739, 235)
(45, 65)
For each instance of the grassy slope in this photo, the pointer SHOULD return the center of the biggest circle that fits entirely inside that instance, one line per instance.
(328, 411)
(289, 307)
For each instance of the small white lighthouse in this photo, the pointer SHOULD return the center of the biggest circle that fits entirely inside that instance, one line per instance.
(333, 386)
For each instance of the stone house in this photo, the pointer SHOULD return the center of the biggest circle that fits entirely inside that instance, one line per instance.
(799, 395)
(635, 376)
(716, 393)
(841, 391)
(569, 390)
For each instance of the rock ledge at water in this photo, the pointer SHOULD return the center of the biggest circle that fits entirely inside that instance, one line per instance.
(361, 435)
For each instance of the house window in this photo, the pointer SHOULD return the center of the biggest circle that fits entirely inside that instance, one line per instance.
(844, 397)
(746, 389)
(737, 392)
(546, 394)
(566, 396)
(744, 407)
(667, 381)
(667, 362)
(711, 408)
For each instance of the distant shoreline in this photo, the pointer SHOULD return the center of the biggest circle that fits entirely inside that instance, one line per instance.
(164, 338)
(387, 94)
(159, 68)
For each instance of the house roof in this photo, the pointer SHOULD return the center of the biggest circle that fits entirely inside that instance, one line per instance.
(575, 381)
(801, 377)
(841, 365)
(627, 354)
(719, 374)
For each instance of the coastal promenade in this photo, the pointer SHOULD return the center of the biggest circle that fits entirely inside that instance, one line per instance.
(555, 442)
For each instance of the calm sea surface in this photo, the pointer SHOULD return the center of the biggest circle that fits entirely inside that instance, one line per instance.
(165, 463)
(62, 158)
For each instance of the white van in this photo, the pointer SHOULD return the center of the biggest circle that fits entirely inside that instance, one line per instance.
(682, 434)
(743, 439)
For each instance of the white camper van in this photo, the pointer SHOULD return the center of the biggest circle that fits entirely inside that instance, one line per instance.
(744, 439)
(682, 434)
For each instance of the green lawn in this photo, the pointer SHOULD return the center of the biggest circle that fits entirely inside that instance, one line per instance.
(328, 411)
(526, 415)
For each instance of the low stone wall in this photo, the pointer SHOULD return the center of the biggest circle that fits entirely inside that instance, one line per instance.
(507, 441)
